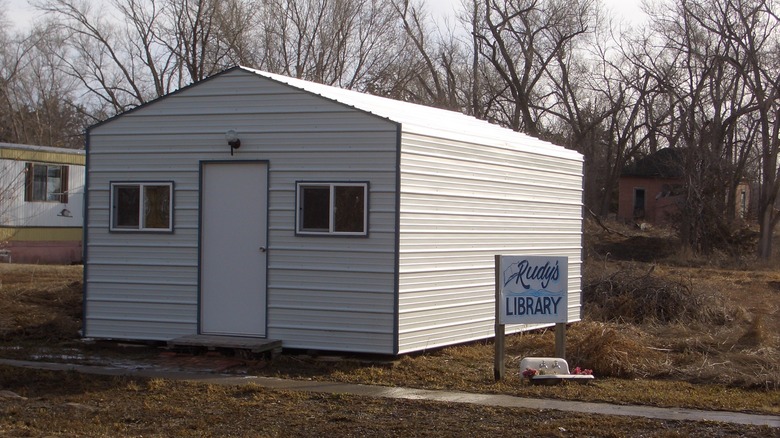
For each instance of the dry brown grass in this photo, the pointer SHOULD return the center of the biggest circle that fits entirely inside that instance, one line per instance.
(711, 320)
(40, 303)
(614, 351)
(69, 404)
(690, 335)
(640, 293)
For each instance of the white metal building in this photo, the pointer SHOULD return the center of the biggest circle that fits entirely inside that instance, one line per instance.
(252, 204)
(41, 204)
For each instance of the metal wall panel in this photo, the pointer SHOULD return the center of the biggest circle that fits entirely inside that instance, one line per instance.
(342, 286)
(469, 190)
(462, 203)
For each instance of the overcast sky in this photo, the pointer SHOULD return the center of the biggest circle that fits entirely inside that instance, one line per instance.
(21, 14)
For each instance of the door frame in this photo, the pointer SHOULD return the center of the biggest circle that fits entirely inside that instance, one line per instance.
(201, 165)
(636, 197)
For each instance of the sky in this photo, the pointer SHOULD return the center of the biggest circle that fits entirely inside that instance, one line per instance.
(21, 14)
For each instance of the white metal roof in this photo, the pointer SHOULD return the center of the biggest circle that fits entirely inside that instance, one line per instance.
(424, 120)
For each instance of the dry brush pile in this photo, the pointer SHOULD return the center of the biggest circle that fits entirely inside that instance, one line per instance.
(644, 320)
(633, 293)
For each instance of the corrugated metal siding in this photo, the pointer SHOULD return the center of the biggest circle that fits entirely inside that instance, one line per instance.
(15, 212)
(469, 190)
(323, 292)
(463, 203)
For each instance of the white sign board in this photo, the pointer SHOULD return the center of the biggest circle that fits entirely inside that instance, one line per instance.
(532, 289)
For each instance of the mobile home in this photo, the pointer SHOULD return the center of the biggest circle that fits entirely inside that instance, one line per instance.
(41, 203)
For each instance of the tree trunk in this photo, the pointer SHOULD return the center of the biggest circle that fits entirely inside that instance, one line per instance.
(766, 233)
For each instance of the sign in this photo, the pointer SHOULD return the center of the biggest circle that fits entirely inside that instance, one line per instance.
(532, 289)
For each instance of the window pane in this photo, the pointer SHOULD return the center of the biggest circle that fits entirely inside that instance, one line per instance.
(53, 183)
(349, 209)
(127, 206)
(39, 183)
(157, 201)
(315, 208)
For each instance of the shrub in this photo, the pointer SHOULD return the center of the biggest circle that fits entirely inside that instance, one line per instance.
(629, 294)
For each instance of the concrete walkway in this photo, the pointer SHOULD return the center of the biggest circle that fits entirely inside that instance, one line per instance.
(415, 394)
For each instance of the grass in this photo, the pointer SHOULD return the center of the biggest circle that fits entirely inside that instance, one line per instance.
(644, 341)
(69, 404)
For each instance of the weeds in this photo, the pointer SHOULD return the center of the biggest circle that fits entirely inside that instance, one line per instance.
(663, 324)
(635, 294)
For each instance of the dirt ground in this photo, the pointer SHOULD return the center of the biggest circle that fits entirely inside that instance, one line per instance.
(53, 404)
(659, 328)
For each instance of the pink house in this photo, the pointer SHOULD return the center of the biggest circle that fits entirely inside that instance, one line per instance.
(651, 189)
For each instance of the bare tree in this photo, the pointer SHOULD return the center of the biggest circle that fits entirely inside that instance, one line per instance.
(597, 100)
(101, 53)
(441, 65)
(13, 59)
(717, 76)
(37, 104)
(126, 52)
(335, 42)
(205, 36)
(749, 31)
(522, 40)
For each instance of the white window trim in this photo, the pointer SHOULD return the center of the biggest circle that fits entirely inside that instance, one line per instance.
(139, 229)
(331, 211)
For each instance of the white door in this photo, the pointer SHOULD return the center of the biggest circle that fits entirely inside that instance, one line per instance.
(234, 201)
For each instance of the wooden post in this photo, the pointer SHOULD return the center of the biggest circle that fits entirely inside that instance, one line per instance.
(560, 340)
(499, 367)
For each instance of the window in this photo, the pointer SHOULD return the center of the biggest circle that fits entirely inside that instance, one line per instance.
(742, 204)
(45, 183)
(332, 208)
(141, 206)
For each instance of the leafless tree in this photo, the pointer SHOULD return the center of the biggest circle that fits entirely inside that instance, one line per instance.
(205, 36)
(37, 104)
(103, 54)
(126, 52)
(336, 42)
(748, 30)
(718, 76)
(597, 98)
(522, 40)
(440, 66)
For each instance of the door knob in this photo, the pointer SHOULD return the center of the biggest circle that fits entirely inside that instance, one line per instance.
(262, 249)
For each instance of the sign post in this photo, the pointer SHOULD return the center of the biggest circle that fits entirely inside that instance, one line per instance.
(530, 290)
(499, 368)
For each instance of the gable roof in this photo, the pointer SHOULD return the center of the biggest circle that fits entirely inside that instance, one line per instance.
(425, 120)
(414, 118)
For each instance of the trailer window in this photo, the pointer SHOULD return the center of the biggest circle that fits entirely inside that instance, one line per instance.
(332, 208)
(142, 207)
(45, 183)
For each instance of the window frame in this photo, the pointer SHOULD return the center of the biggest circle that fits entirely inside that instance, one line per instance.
(29, 182)
(332, 186)
(141, 228)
